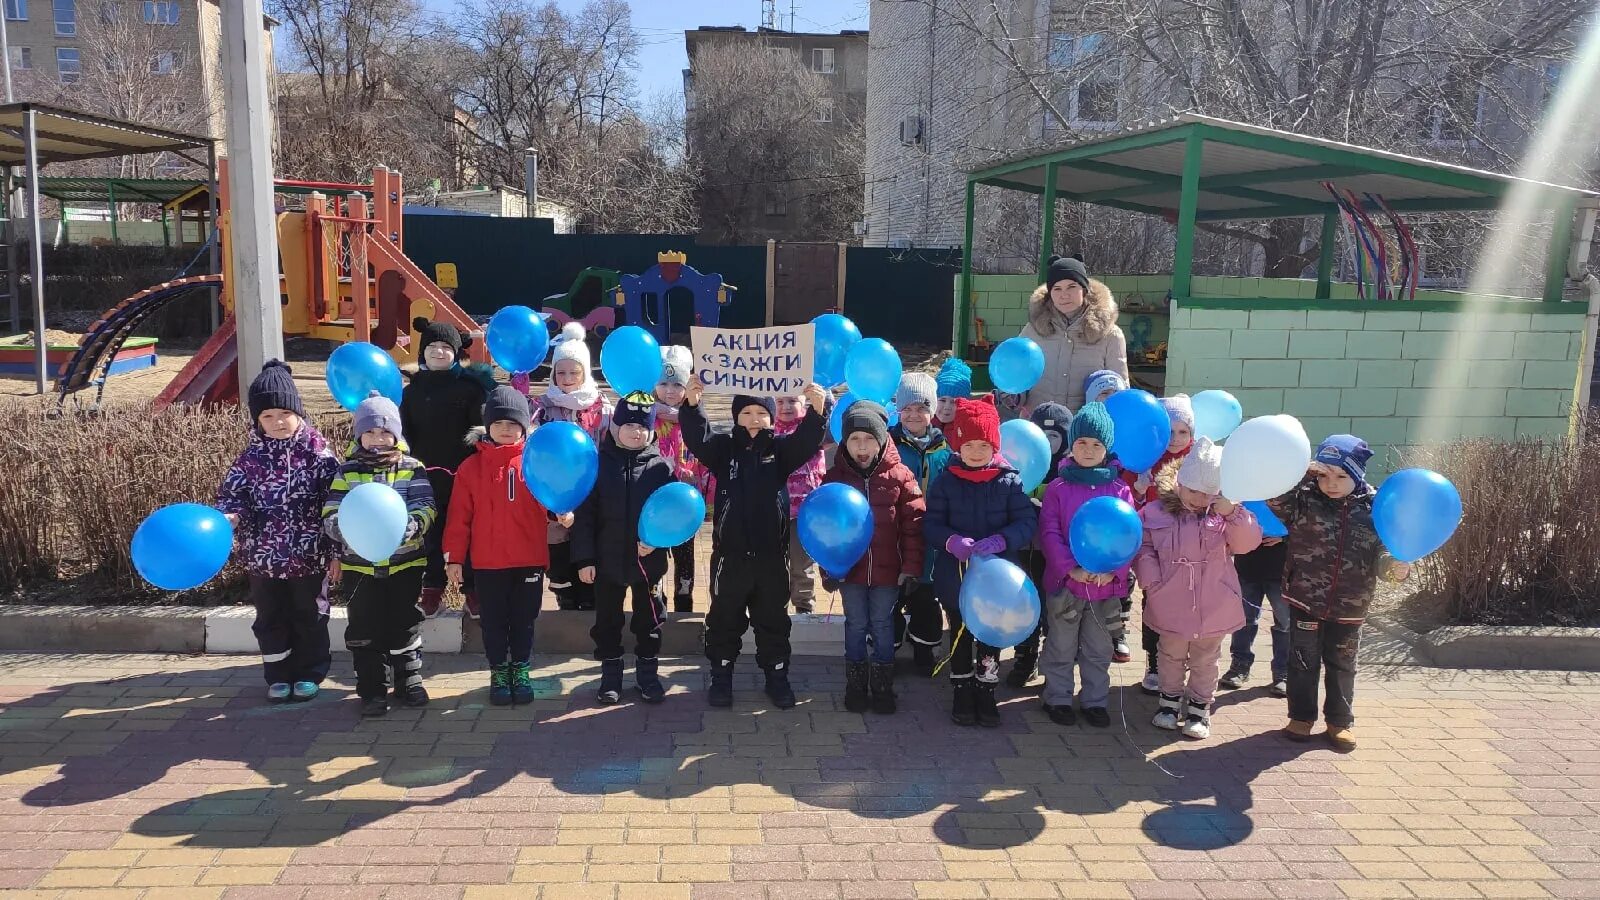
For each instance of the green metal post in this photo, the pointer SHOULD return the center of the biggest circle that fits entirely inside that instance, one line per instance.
(1330, 239)
(963, 312)
(111, 201)
(66, 231)
(1189, 199)
(1560, 246)
(1047, 231)
(166, 236)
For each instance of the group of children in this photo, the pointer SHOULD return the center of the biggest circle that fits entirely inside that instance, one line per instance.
(940, 494)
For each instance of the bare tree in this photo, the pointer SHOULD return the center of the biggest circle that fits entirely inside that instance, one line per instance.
(753, 133)
(1458, 78)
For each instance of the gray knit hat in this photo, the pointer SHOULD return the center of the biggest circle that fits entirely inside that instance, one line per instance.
(378, 411)
(916, 387)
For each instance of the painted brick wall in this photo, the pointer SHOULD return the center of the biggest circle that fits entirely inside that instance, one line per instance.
(1381, 374)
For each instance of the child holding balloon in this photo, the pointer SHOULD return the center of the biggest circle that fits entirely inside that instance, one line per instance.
(750, 532)
(572, 396)
(804, 480)
(610, 554)
(273, 495)
(869, 463)
(384, 633)
(925, 452)
(1180, 418)
(1082, 597)
(676, 366)
(1185, 563)
(977, 507)
(495, 520)
(1335, 556)
(1055, 420)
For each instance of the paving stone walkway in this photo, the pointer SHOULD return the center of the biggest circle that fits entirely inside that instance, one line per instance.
(167, 777)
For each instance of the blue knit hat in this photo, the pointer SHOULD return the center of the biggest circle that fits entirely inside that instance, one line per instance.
(954, 379)
(1093, 421)
(1348, 452)
(1102, 381)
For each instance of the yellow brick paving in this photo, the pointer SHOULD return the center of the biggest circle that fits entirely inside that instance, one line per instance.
(167, 777)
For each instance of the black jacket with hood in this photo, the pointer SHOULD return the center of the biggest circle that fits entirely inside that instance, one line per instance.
(752, 504)
(605, 531)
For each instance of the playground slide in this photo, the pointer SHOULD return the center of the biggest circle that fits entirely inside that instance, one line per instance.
(99, 347)
(444, 308)
(211, 375)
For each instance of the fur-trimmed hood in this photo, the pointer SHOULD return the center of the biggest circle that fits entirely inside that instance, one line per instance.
(1099, 318)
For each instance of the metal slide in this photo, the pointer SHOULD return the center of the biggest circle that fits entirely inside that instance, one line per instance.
(105, 338)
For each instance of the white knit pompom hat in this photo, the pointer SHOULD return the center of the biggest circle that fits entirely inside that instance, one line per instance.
(1202, 468)
(570, 344)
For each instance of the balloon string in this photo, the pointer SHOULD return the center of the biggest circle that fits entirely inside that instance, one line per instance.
(956, 639)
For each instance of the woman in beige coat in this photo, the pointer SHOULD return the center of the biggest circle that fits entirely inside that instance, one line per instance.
(1073, 319)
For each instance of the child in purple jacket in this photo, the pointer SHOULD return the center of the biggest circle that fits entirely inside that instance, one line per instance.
(273, 494)
(1078, 602)
(1191, 535)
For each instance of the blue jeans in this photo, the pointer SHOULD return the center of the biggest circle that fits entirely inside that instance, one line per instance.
(869, 610)
(1257, 594)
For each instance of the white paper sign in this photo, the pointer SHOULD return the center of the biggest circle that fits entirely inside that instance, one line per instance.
(762, 362)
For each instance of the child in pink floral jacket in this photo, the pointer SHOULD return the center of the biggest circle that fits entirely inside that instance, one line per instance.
(676, 367)
(807, 478)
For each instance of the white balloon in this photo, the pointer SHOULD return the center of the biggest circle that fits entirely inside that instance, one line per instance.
(1265, 458)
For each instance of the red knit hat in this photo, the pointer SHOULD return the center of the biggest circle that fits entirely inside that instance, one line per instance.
(976, 420)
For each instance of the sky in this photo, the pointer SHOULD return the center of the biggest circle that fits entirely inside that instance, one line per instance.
(661, 24)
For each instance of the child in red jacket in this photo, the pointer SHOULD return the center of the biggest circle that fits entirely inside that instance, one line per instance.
(495, 519)
(869, 462)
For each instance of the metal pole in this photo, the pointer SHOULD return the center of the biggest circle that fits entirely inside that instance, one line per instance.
(962, 311)
(1047, 232)
(1330, 241)
(30, 153)
(213, 234)
(1188, 200)
(530, 182)
(13, 282)
(252, 245)
(111, 205)
(5, 50)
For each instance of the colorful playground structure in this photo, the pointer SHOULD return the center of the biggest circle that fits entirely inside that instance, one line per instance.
(343, 276)
(665, 300)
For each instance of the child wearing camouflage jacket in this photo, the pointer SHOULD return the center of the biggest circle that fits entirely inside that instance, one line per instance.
(385, 629)
(1335, 557)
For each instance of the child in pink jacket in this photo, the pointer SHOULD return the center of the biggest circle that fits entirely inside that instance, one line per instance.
(1190, 585)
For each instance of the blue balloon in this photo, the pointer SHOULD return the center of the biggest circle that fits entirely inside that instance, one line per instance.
(1016, 365)
(1025, 447)
(631, 360)
(671, 515)
(518, 339)
(1142, 429)
(1271, 525)
(1415, 512)
(372, 520)
(1216, 414)
(1104, 534)
(835, 525)
(359, 368)
(559, 464)
(999, 604)
(872, 370)
(182, 546)
(834, 336)
(836, 418)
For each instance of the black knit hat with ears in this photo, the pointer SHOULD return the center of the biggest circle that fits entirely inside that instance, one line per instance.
(1067, 268)
(440, 332)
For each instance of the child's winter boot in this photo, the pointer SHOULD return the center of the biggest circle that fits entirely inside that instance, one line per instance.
(521, 684)
(647, 676)
(1025, 665)
(856, 693)
(1197, 721)
(922, 659)
(500, 685)
(610, 681)
(1298, 730)
(963, 705)
(1342, 737)
(721, 691)
(779, 690)
(881, 680)
(1169, 713)
(984, 705)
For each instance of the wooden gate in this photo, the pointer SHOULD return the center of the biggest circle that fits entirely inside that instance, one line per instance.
(803, 281)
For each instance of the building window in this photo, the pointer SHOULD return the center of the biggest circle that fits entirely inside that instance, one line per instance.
(21, 58)
(164, 63)
(17, 10)
(1088, 79)
(1453, 120)
(66, 13)
(822, 60)
(825, 109)
(778, 201)
(68, 64)
(160, 12)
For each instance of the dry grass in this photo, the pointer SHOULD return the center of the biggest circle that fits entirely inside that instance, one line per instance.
(1528, 549)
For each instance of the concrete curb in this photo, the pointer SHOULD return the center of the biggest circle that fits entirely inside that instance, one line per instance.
(103, 629)
(227, 630)
(1498, 646)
